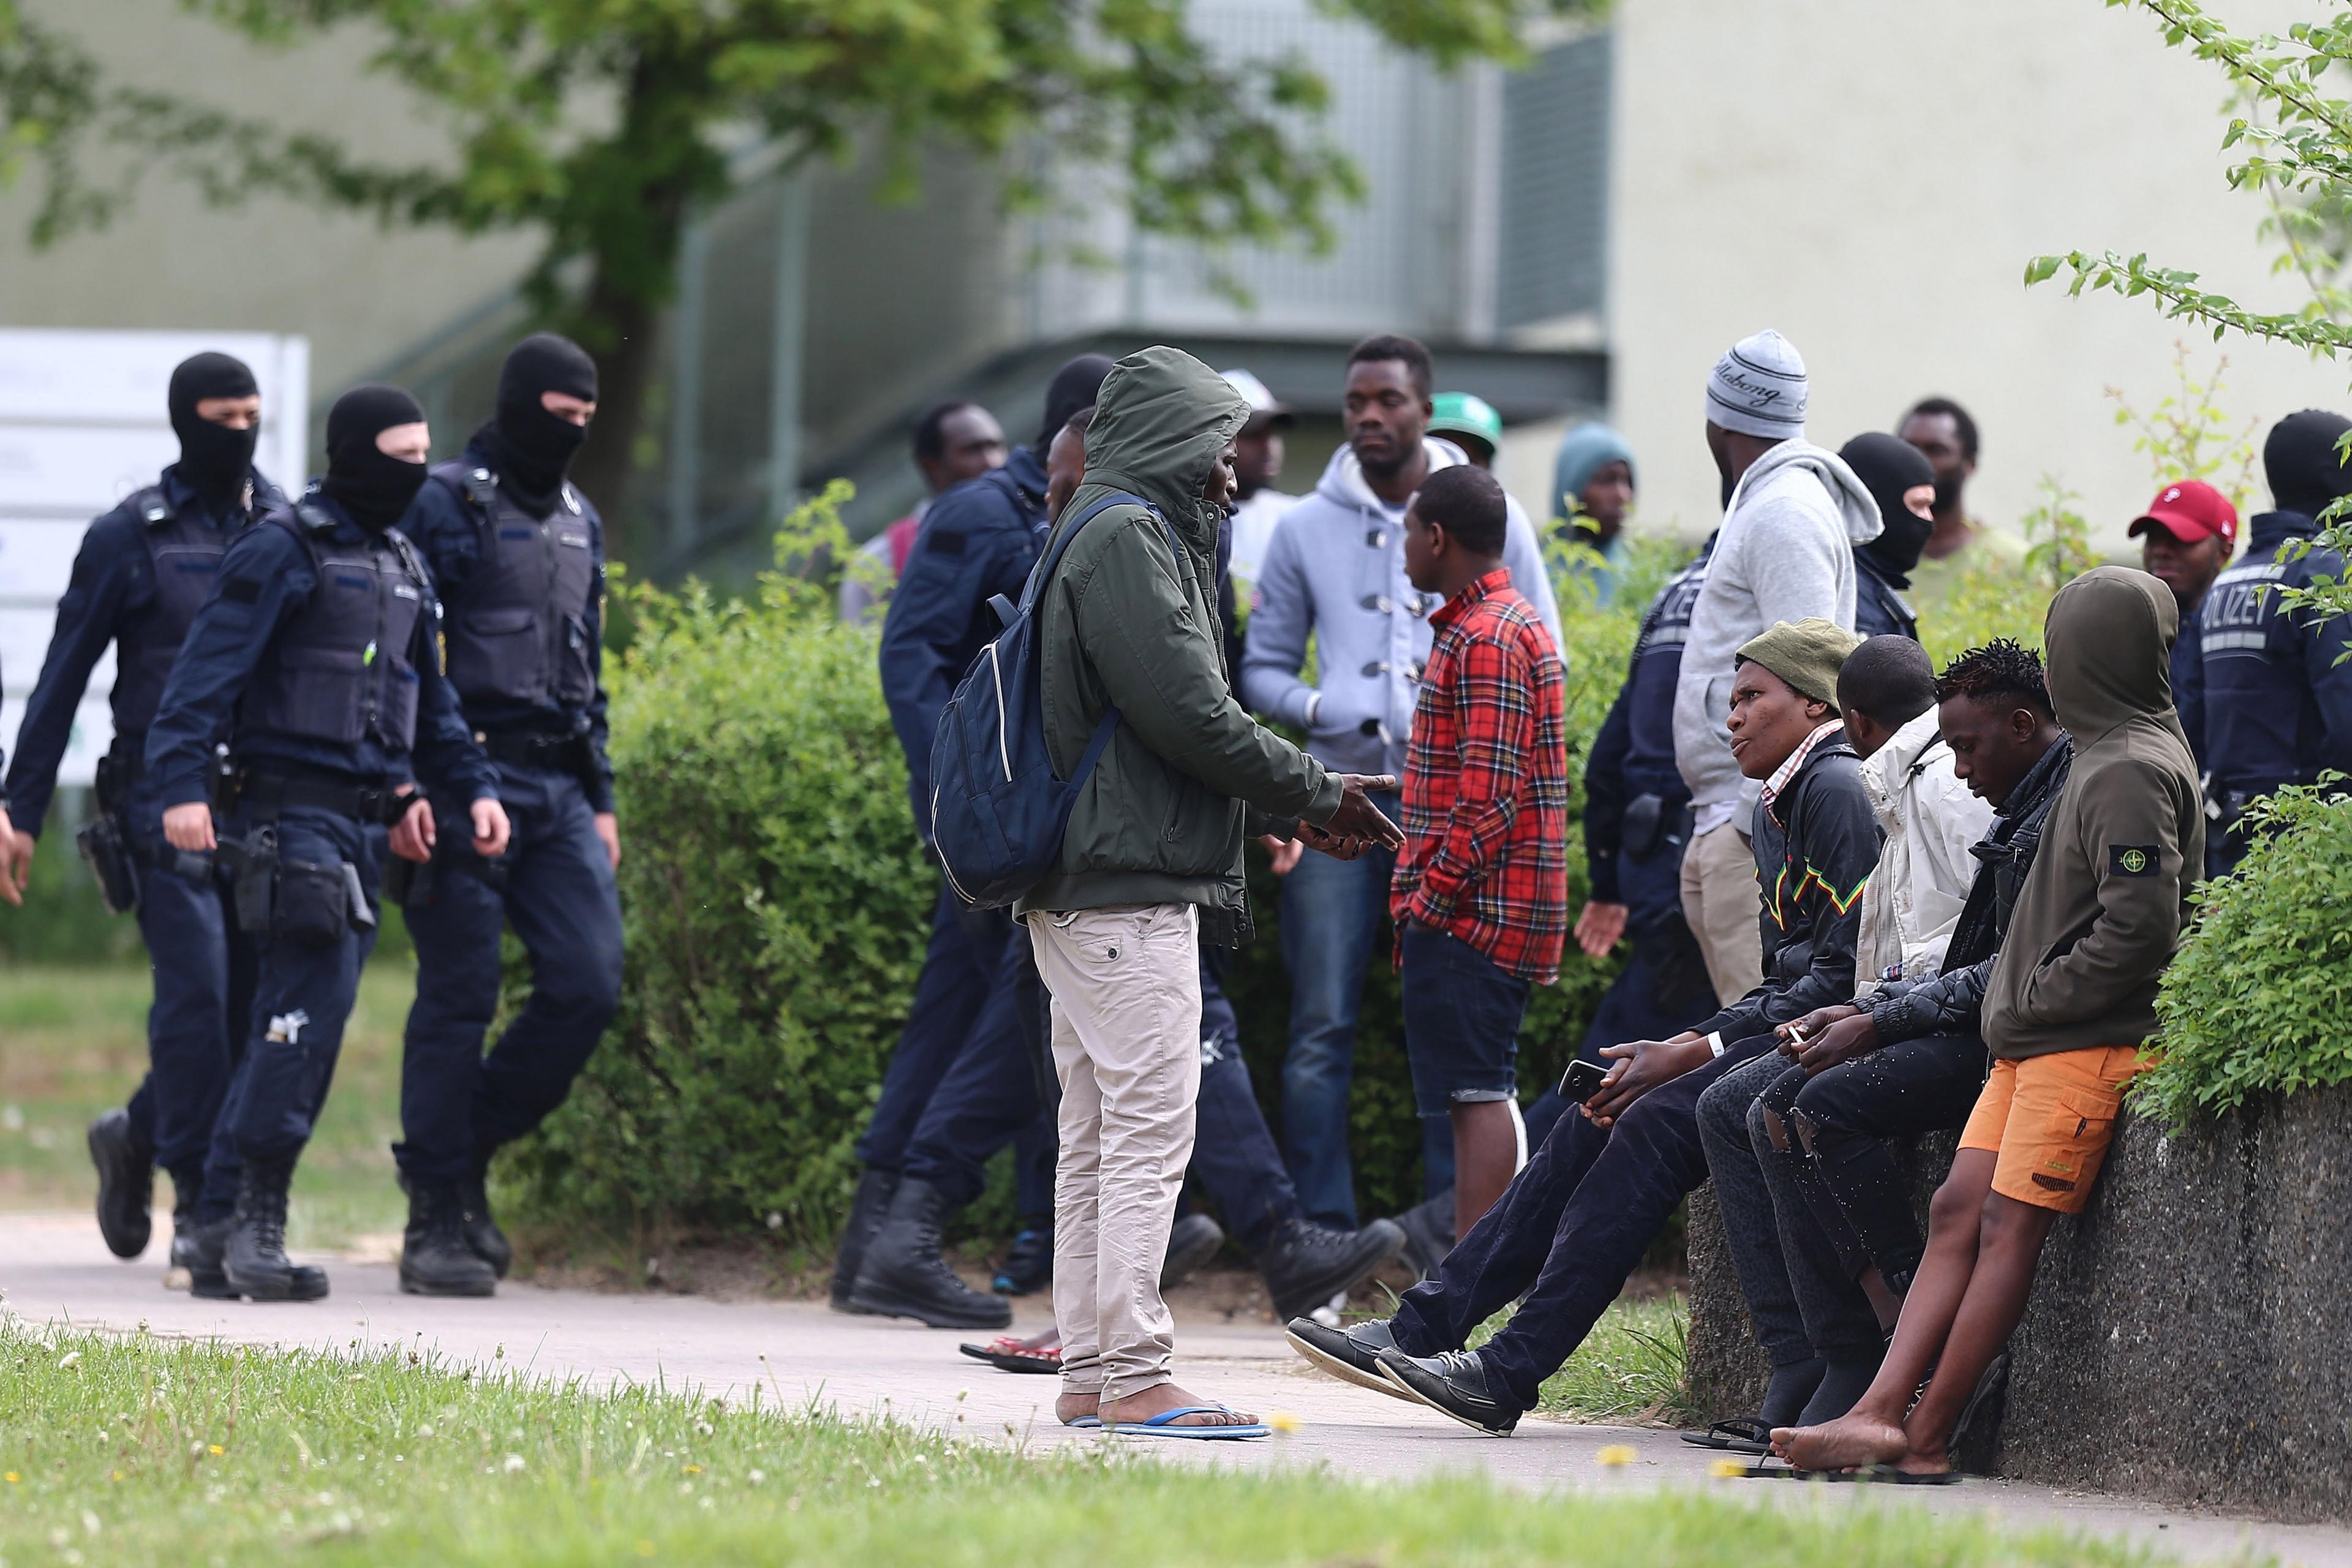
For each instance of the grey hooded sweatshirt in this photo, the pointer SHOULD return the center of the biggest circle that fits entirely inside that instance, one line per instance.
(1334, 571)
(1785, 551)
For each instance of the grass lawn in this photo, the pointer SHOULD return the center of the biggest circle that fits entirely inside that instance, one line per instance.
(141, 1451)
(1629, 1368)
(73, 1042)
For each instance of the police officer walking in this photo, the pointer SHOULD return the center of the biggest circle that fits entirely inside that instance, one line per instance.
(2278, 691)
(519, 556)
(143, 569)
(315, 655)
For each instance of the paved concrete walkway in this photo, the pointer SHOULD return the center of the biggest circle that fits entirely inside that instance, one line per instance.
(53, 1269)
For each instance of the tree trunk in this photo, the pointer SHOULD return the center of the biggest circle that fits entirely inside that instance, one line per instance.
(620, 332)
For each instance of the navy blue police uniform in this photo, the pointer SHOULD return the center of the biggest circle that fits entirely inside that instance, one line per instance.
(2277, 696)
(143, 570)
(1878, 609)
(523, 626)
(316, 655)
(1637, 821)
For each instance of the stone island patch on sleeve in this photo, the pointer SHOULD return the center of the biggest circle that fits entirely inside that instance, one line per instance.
(2133, 860)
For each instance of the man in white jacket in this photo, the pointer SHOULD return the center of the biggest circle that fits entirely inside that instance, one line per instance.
(1929, 816)
(1793, 515)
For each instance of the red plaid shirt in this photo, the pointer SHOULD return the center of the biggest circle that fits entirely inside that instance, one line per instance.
(1486, 784)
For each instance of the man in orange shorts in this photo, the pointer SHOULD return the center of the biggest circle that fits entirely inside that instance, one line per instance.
(2069, 1010)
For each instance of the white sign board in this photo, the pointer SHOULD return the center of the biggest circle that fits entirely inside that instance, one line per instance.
(82, 425)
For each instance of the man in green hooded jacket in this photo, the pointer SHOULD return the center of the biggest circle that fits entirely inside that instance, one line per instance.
(1151, 866)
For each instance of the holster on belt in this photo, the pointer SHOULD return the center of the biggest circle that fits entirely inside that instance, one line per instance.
(252, 860)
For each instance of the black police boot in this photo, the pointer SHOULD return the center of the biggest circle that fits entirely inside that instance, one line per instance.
(178, 1269)
(254, 1258)
(126, 1183)
(434, 1256)
(1028, 1265)
(202, 1247)
(1306, 1264)
(904, 1275)
(482, 1232)
(875, 1189)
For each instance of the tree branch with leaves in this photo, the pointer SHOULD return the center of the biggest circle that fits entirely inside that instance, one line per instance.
(605, 124)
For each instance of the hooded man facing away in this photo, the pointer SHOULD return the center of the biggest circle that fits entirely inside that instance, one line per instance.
(1793, 515)
(1150, 865)
(2070, 1006)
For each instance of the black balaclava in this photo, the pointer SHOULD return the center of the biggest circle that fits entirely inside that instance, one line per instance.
(366, 481)
(1887, 466)
(2301, 461)
(530, 447)
(1075, 386)
(213, 459)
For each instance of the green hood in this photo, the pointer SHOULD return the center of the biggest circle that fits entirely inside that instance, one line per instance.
(1160, 421)
(2109, 639)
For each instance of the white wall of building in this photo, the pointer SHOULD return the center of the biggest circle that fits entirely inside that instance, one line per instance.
(1872, 178)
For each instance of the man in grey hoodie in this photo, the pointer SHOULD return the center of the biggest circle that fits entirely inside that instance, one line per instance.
(1334, 571)
(1793, 515)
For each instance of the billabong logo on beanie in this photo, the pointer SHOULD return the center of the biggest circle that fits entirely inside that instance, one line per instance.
(1760, 388)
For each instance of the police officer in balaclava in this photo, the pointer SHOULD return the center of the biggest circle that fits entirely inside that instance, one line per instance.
(314, 656)
(143, 569)
(520, 558)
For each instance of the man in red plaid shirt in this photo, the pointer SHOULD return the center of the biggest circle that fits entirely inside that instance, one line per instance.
(1480, 895)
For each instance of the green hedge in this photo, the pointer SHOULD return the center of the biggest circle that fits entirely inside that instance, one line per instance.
(777, 910)
(2257, 1000)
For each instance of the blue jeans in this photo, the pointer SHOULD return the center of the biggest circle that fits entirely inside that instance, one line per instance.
(1566, 1234)
(456, 1105)
(1462, 1013)
(1331, 914)
(203, 969)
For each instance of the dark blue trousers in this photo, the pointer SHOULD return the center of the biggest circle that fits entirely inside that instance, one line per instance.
(456, 1104)
(203, 970)
(1236, 1160)
(302, 997)
(1566, 1232)
(988, 1095)
(965, 959)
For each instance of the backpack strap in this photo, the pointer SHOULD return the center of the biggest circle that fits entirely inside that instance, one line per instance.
(1043, 571)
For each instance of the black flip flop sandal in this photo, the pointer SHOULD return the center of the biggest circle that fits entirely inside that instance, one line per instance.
(1740, 1435)
(1881, 1474)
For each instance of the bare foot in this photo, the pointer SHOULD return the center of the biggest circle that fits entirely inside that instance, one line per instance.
(1848, 1443)
(1051, 1340)
(1070, 1407)
(1925, 1464)
(1136, 1409)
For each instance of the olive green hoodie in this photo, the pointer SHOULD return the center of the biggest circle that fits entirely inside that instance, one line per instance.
(2103, 906)
(1128, 621)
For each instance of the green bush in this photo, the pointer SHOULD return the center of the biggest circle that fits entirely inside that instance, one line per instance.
(777, 908)
(2256, 1000)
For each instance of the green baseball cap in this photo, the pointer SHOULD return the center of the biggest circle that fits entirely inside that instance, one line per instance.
(1466, 414)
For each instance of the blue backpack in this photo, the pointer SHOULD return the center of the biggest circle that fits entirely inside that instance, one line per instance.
(998, 809)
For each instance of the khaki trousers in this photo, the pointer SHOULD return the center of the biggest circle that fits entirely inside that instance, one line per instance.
(1126, 985)
(1723, 906)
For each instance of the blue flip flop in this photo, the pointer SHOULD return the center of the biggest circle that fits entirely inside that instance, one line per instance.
(1164, 1425)
(1084, 1422)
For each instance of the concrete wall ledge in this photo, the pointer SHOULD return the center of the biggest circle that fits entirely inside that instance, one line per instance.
(2190, 1337)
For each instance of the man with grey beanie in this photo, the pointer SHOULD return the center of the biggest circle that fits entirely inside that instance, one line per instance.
(1793, 515)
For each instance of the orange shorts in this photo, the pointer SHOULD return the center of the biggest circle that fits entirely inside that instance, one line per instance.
(2051, 1119)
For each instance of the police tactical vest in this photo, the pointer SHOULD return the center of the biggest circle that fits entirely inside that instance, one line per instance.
(342, 672)
(2262, 724)
(521, 634)
(1657, 666)
(183, 554)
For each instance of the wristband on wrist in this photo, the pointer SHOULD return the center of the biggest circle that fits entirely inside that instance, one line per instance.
(1714, 1043)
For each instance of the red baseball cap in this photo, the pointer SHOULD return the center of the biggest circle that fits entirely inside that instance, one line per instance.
(2190, 510)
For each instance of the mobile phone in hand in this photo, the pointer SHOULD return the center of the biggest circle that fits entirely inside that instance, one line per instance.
(1582, 1081)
